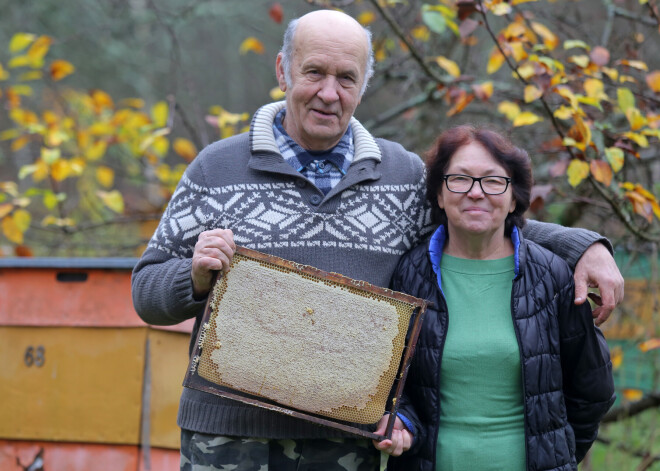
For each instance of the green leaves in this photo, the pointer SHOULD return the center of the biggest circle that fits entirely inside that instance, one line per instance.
(438, 18)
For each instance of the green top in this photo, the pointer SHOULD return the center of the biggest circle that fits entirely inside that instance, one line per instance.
(481, 397)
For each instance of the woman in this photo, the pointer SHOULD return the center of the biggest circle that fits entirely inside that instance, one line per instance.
(508, 373)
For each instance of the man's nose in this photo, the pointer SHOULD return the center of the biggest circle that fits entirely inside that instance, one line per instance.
(328, 91)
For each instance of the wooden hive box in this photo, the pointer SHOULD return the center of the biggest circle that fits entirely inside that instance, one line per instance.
(83, 377)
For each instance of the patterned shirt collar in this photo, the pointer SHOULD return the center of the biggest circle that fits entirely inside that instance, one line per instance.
(314, 165)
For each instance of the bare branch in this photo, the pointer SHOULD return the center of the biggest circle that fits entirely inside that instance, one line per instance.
(627, 449)
(654, 12)
(623, 13)
(624, 411)
(200, 137)
(609, 24)
(331, 3)
(623, 216)
(411, 47)
(190, 127)
(431, 94)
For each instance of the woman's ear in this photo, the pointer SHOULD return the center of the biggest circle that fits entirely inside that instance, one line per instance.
(441, 202)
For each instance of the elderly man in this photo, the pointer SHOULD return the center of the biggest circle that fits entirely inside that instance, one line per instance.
(307, 183)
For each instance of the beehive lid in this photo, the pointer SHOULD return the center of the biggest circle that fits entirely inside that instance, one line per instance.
(303, 340)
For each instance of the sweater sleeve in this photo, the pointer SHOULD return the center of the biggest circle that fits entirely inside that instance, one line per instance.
(161, 284)
(588, 385)
(567, 242)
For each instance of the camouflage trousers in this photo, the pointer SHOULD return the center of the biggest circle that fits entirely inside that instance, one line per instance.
(201, 452)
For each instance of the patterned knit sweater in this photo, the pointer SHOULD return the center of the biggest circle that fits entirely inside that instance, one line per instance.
(359, 229)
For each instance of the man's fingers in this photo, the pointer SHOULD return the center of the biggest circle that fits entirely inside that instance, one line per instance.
(605, 306)
(580, 290)
(597, 269)
(595, 298)
(225, 236)
(600, 315)
(213, 252)
(215, 244)
(619, 291)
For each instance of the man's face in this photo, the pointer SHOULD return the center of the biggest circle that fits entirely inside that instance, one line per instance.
(327, 71)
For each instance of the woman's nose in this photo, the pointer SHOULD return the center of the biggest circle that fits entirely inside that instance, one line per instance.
(476, 191)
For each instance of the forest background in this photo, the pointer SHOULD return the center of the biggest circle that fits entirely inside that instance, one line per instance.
(103, 104)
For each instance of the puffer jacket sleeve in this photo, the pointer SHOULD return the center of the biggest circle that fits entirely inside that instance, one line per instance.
(588, 385)
(403, 280)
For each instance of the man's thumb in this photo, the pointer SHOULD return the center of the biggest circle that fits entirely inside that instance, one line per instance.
(580, 291)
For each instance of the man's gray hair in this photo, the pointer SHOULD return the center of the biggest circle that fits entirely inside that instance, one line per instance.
(287, 55)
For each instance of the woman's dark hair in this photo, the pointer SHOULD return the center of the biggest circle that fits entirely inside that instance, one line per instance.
(516, 161)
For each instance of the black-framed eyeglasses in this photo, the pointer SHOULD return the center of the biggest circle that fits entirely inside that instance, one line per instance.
(490, 184)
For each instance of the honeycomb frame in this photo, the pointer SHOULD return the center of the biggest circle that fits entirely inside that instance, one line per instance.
(229, 362)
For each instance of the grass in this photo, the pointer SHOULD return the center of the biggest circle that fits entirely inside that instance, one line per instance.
(639, 435)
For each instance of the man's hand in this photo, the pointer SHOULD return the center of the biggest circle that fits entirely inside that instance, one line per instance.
(213, 252)
(597, 269)
(401, 437)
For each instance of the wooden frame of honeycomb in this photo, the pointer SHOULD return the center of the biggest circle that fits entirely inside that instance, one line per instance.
(304, 342)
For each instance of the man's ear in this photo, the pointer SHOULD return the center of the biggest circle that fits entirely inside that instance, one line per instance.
(279, 72)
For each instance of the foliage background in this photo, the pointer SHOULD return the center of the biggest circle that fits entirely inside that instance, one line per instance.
(102, 104)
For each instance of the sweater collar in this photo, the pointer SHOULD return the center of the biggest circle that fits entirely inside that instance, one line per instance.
(263, 140)
(437, 244)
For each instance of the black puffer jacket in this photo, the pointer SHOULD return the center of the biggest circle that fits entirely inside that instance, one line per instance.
(566, 368)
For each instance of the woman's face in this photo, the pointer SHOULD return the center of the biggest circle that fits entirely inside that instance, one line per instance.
(474, 212)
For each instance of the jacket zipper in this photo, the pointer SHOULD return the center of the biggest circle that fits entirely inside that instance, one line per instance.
(522, 373)
(442, 349)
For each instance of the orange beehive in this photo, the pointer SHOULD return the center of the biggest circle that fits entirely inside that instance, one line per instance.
(84, 380)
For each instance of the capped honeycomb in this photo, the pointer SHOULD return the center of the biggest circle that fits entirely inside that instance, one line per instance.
(304, 341)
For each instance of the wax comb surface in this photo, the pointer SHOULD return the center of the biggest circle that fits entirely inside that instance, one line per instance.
(303, 338)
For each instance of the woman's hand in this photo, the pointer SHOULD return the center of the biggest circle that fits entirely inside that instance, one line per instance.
(401, 438)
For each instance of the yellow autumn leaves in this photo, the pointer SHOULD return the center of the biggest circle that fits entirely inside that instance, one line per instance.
(576, 92)
(84, 136)
(14, 219)
(29, 50)
(617, 357)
